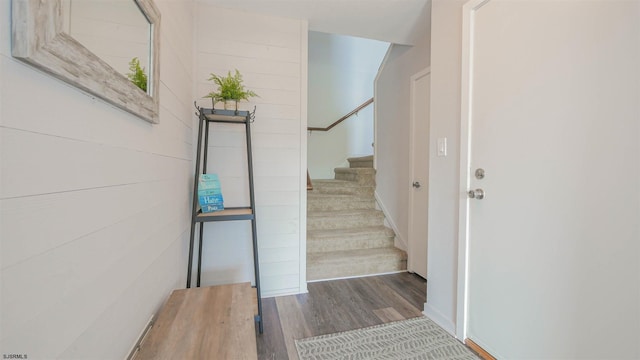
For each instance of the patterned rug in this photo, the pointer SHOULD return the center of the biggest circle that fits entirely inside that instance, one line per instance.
(418, 338)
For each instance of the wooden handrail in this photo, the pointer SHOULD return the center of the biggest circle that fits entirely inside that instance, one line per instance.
(354, 111)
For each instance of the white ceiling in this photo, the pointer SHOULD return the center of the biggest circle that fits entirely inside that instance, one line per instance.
(385, 20)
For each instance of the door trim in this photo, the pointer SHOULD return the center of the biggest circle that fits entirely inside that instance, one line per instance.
(478, 350)
(469, 10)
(412, 122)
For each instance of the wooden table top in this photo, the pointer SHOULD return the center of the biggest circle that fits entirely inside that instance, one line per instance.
(214, 322)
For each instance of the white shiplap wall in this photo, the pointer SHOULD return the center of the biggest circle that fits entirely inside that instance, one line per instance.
(94, 204)
(271, 53)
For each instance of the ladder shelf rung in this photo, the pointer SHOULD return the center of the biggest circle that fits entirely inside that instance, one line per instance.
(244, 213)
(227, 116)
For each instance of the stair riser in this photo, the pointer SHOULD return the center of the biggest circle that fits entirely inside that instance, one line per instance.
(361, 191)
(343, 222)
(368, 180)
(361, 176)
(361, 164)
(339, 204)
(372, 266)
(317, 245)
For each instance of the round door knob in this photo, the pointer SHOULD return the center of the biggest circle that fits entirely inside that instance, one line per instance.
(476, 194)
(416, 184)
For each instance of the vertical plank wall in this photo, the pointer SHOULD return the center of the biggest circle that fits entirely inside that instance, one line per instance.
(94, 204)
(271, 53)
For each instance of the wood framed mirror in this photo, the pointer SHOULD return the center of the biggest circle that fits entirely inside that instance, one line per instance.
(39, 38)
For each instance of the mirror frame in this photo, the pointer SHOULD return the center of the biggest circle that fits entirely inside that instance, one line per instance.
(38, 39)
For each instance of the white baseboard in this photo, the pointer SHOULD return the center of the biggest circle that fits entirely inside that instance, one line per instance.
(134, 349)
(400, 242)
(359, 276)
(440, 319)
(284, 292)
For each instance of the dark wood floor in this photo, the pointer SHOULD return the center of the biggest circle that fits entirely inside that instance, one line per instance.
(338, 305)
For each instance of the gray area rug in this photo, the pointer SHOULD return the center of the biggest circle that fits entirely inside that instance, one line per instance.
(418, 338)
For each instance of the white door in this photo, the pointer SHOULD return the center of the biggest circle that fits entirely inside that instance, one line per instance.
(553, 108)
(419, 196)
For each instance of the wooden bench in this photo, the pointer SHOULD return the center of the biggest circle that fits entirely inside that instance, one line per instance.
(214, 322)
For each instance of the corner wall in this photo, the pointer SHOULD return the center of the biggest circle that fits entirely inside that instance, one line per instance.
(271, 54)
(342, 70)
(446, 35)
(393, 116)
(94, 204)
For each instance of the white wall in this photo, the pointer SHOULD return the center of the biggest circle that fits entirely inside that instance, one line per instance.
(341, 74)
(393, 123)
(94, 204)
(3, 40)
(446, 35)
(271, 53)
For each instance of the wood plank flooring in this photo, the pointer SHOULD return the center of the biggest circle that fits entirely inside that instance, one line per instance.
(338, 305)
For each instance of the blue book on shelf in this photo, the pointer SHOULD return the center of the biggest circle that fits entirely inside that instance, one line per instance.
(210, 192)
(209, 182)
(211, 208)
(211, 200)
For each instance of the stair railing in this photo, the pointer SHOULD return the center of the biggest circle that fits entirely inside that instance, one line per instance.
(345, 117)
(351, 113)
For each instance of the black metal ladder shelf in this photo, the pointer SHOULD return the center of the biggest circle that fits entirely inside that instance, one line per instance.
(206, 117)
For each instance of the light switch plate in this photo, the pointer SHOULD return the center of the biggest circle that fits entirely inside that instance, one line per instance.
(442, 146)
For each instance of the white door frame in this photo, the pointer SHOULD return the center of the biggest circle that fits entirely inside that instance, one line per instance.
(414, 78)
(468, 16)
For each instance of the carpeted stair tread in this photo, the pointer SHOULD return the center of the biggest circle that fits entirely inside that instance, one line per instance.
(333, 183)
(342, 219)
(360, 255)
(346, 235)
(345, 187)
(365, 231)
(363, 176)
(361, 158)
(325, 202)
(335, 264)
(328, 197)
(361, 162)
(320, 196)
(350, 170)
(327, 240)
(345, 213)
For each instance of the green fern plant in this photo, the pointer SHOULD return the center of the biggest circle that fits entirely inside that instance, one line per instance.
(230, 87)
(137, 74)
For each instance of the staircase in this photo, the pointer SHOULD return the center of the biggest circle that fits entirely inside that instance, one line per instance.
(346, 235)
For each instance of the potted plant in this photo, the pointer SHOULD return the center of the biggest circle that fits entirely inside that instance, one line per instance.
(230, 90)
(137, 74)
